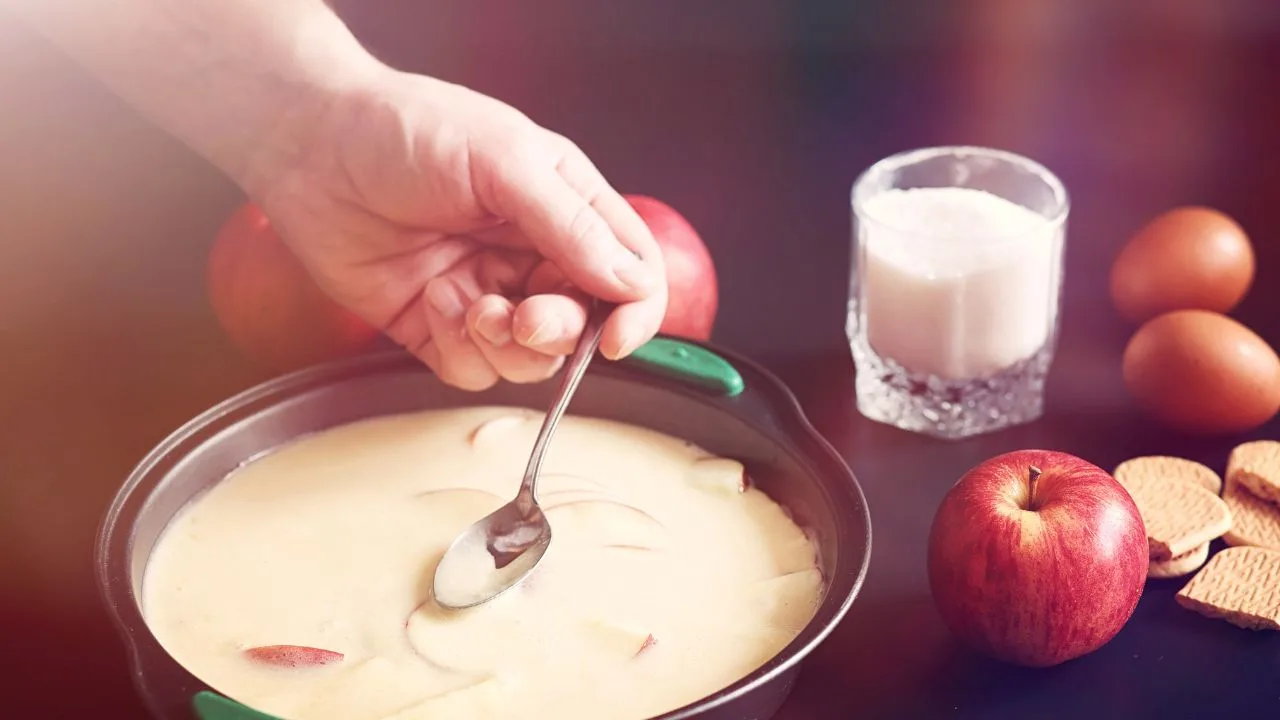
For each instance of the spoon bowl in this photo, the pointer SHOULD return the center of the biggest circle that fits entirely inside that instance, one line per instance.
(492, 556)
(499, 550)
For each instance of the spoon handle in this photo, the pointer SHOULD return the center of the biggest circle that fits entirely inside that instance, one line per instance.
(575, 368)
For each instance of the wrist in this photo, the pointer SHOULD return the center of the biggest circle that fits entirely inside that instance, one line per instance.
(327, 67)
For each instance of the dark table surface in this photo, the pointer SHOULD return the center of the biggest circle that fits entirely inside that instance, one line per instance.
(753, 121)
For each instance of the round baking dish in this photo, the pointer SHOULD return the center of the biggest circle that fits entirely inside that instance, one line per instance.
(712, 397)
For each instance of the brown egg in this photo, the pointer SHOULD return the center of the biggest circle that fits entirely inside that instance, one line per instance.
(1187, 258)
(1203, 373)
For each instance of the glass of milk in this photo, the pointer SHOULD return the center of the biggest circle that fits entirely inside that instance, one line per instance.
(955, 289)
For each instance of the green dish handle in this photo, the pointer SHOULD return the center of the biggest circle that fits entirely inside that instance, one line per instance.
(688, 363)
(212, 706)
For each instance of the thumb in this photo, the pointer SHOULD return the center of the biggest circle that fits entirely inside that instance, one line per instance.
(569, 231)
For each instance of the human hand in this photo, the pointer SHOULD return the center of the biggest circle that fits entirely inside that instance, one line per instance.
(472, 236)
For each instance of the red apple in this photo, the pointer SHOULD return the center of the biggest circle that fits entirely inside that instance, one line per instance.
(693, 293)
(269, 305)
(1037, 557)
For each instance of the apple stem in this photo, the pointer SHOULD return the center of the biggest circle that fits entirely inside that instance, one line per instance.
(1033, 474)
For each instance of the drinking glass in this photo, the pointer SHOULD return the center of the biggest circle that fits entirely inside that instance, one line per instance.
(954, 293)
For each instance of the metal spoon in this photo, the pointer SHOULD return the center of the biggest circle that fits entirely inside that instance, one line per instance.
(499, 550)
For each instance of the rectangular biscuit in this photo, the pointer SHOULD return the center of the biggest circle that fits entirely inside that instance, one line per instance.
(1240, 585)
(1178, 566)
(1256, 466)
(1254, 521)
(1180, 515)
(1168, 467)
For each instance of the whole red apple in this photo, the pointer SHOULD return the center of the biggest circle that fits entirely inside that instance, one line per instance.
(693, 293)
(1037, 557)
(269, 305)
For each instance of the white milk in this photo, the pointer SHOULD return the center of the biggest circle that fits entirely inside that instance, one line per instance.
(957, 283)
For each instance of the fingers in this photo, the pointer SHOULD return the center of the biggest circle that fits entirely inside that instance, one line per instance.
(572, 217)
(633, 325)
(550, 324)
(473, 344)
(489, 323)
(465, 330)
(451, 353)
(547, 278)
(593, 242)
(628, 327)
(627, 225)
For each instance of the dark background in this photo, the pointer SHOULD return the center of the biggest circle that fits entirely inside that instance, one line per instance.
(753, 119)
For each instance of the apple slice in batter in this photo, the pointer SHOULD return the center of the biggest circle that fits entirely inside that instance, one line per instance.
(501, 430)
(786, 602)
(474, 495)
(430, 661)
(478, 641)
(479, 698)
(619, 639)
(719, 475)
(293, 656)
(377, 687)
(601, 521)
(561, 482)
(791, 555)
(453, 509)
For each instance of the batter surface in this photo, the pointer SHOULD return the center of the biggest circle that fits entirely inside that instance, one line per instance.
(300, 585)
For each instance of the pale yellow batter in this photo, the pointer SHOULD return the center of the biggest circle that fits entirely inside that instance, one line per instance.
(665, 580)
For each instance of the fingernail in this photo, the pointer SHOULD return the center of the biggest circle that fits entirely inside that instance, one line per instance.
(446, 299)
(630, 342)
(548, 330)
(636, 275)
(494, 326)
